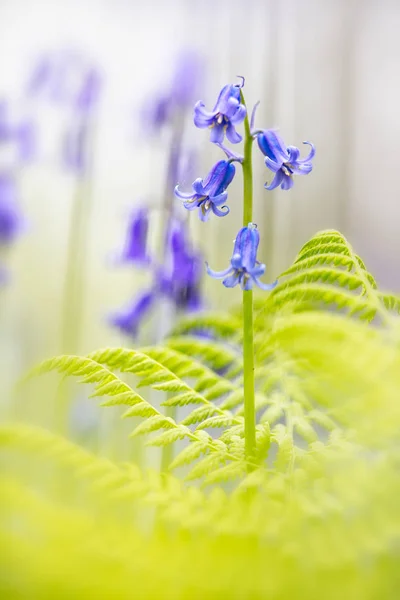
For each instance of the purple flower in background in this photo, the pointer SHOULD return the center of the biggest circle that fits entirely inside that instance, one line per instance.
(135, 246)
(210, 193)
(244, 269)
(227, 113)
(16, 133)
(178, 95)
(89, 92)
(11, 220)
(283, 160)
(177, 280)
(180, 281)
(65, 77)
(129, 319)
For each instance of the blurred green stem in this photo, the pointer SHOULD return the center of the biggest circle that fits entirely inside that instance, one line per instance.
(74, 282)
(248, 343)
(167, 452)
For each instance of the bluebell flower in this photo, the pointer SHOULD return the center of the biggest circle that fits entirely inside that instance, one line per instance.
(129, 319)
(210, 193)
(135, 249)
(244, 269)
(11, 220)
(66, 77)
(180, 279)
(177, 96)
(176, 280)
(16, 133)
(227, 113)
(283, 160)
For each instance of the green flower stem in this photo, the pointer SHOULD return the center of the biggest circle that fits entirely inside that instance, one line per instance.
(248, 343)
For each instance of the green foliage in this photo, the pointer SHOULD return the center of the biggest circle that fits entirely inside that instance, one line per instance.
(314, 513)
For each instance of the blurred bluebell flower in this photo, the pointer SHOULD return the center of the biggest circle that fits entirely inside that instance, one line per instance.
(227, 113)
(178, 96)
(65, 77)
(210, 193)
(283, 160)
(177, 280)
(11, 220)
(135, 249)
(17, 134)
(244, 269)
(129, 319)
(180, 280)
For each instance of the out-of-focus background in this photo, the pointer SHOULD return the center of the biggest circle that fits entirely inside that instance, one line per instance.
(326, 71)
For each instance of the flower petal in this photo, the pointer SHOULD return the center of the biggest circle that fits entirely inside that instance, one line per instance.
(302, 168)
(218, 178)
(202, 118)
(183, 195)
(204, 211)
(272, 145)
(265, 286)
(218, 274)
(311, 154)
(217, 133)
(231, 281)
(231, 107)
(239, 115)
(277, 180)
(198, 187)
(218, 212)
(248, 248)
(191, 205)
(220, 199)
(246, 283)
(272, 165)
(257, 271)
(233, 136)
(294, 154)
(287, 182)
(228, 92)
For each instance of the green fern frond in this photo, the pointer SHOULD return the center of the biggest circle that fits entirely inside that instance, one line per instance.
(146, 366)
(220, 326)
(327, 272)
(214, 354)
(391, 302)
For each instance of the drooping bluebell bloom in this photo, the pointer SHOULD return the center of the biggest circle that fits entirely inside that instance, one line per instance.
(129, 319)
(11, 220)
(16, 133)
(67, 78)
(210, 193)
(283, 160)
(135, 249)
(177, 96)
(179, 278)
(244, 269)
(227, 112)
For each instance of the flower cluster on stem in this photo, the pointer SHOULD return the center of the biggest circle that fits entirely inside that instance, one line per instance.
(209, 194)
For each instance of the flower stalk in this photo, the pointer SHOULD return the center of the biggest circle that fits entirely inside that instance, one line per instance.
(248, 341)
